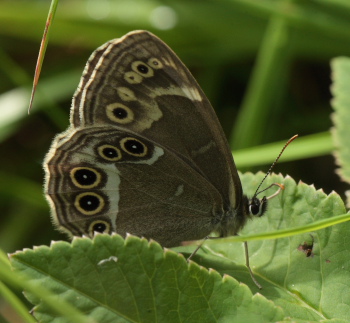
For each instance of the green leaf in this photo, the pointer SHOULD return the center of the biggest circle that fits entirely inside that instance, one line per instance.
(341, 117)
(307, 288)
(112, 280)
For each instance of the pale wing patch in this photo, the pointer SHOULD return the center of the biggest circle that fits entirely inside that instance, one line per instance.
(179, 190)
(203, 149)
(157, 153)
(169, 62)
(126, 94)
(153, 111)
(185, 91)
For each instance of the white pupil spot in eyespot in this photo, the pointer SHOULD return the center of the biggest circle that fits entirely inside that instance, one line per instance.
(132, 146)
(142, 69)
(120, 113)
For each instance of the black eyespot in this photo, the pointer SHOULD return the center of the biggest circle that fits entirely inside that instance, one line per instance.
(142, 69)
(99, 227)
(120, 113)
(85, 177)
(89, 202)
(134, 147)
(109, 153)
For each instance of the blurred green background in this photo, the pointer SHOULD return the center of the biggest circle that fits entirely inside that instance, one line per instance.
(263, 64)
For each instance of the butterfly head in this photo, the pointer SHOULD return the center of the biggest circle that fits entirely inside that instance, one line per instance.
(257, 207)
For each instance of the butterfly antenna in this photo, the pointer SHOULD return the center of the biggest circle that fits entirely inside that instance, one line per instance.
(274, 163)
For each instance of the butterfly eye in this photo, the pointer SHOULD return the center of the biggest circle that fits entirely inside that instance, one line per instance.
(257, 207)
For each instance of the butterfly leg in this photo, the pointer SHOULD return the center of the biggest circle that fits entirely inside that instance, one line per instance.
(248, 265)
(199, 246)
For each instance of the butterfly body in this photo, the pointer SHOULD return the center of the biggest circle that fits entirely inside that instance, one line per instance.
(145, 153)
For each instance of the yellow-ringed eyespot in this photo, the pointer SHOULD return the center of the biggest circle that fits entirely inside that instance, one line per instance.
(142, 69)
(155, 63)
(99, 226)
(109, 152)
(89, 203)
(119, 113)
(133, 78)
(133, 146)
(85, 177)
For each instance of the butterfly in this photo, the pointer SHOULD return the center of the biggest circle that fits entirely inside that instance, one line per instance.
(145, 153)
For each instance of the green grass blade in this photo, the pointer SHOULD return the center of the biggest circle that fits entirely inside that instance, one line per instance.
(303, 147)
(42, 49)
